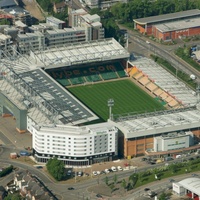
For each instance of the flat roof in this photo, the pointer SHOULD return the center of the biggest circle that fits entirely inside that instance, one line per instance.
(171, 16)
(191, 184)
(158, 122)
(179, 25)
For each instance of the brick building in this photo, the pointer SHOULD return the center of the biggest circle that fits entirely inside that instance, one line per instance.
(146, 25)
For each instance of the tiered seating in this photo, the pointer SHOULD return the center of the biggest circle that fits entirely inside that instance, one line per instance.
(120, 70)
(109, 75)
(64, 82)
(93, 78)
(77, 80)
(133, 71)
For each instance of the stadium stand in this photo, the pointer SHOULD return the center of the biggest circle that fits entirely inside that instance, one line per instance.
(138, 75)
(144, 81)
(91, 74)
(64, 82)
(151, 86)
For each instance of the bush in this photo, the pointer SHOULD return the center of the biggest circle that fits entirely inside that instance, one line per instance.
(6, 171)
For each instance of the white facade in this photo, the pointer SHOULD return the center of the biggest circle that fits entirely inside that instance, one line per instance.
(59, 37)
(178, 189)
(30, 41)
(172, 141)
(75, 144)
(91, 23)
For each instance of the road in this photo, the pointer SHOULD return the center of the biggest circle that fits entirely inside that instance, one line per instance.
(138, 44)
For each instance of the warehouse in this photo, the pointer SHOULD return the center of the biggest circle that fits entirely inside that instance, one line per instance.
(145, 25)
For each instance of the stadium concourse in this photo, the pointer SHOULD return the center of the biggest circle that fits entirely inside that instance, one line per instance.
(33, 90)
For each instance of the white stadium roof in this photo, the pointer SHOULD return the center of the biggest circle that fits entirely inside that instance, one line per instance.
(73, 54)
(158, 122)
(191, 184)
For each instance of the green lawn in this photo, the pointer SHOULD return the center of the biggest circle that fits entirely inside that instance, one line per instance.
(128, 98)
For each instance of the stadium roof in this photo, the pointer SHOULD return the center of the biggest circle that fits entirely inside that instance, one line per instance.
(158, 122)
(191, 184)
(179, 25)
(85, 52)
(7, 3)
(36, 90)
(165, 17)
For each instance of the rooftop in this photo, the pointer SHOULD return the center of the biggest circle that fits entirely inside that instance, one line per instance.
(165, 17)
(158, 122)
(179, 25)
(79, 53)
(192, 184)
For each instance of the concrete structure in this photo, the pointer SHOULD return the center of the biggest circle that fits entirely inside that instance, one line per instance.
(145, 25)
(189, 187)
(75, 145)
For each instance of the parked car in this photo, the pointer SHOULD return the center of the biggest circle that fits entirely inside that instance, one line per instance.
(70, 188)
(146, 189)
(69, 172)
(80, 173)
(119, 168)
(94, 173)
(107, 171)
(113, 169)
(99, 196)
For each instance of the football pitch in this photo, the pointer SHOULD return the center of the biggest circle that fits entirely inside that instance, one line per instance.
(127, 97)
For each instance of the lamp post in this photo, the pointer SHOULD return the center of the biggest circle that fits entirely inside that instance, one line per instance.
(110, 105)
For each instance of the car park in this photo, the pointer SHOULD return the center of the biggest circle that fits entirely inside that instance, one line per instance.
(70, 188)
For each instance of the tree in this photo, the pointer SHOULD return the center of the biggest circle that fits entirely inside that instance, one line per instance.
(106, 180)
(13, 197)
(115, 178)
(56, 168)
(124, 184)
(162, 196)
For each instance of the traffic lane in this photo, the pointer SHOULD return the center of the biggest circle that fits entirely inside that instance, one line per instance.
(5, 140)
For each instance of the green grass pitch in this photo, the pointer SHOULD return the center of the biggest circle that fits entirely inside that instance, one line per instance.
(127, 96)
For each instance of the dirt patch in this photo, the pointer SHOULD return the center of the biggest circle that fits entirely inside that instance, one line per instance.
(34, 9)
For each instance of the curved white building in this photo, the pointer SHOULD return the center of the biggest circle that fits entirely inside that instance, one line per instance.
(75, 145)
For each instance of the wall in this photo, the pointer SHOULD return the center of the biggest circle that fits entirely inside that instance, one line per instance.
(137, 146)
(8, 108)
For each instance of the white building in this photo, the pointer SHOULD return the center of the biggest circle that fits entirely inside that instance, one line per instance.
(173, 141)
(30, 41)
(60, 37)
(91, 23)
(75, 145)
(6, 43)
(57, 23)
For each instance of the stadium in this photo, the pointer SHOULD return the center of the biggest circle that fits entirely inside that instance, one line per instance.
(60, 96)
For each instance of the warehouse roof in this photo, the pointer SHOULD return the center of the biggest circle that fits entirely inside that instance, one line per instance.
(179, 25)
(165, 17)
(192, 184)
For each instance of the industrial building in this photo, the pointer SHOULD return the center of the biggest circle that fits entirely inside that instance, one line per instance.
(188, 187)
(148, 25)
